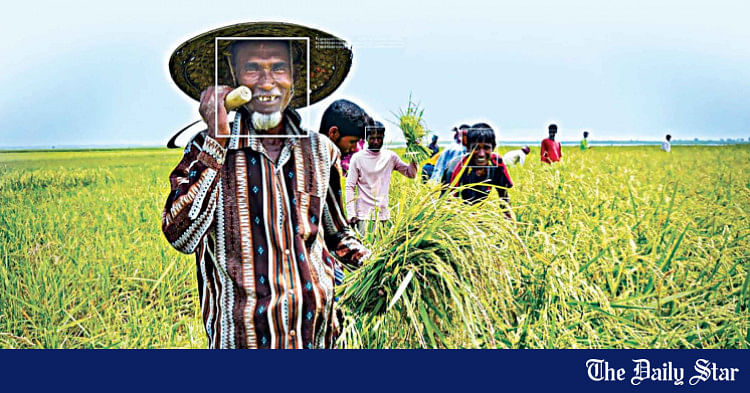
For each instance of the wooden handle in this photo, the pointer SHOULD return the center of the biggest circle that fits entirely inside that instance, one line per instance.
(238, 97)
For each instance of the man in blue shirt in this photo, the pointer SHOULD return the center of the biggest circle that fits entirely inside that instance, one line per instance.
(457, 149)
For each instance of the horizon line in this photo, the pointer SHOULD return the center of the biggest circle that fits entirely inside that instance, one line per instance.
(441, 143)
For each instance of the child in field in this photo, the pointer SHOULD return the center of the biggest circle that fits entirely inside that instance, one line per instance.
(370, 173)
(481, 169)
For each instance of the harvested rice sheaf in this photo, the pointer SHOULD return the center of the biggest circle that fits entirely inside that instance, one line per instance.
(411, 123)
(426, 277)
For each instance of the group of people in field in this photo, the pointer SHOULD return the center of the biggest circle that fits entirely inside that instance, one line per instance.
(259, 199)
(470, 164)
(367, 168)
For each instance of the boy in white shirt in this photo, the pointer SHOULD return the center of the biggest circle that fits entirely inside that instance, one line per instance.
(370, 172)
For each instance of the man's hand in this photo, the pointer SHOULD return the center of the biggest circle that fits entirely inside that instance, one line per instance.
(208, 111)
(353, 221)
(351, 252)
(360, 255)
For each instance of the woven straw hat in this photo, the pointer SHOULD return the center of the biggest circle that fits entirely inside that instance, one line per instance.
(192, 63)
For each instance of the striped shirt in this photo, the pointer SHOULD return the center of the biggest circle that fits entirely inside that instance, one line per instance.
(261, 232)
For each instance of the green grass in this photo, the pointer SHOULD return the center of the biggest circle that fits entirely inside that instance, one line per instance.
(617, 247)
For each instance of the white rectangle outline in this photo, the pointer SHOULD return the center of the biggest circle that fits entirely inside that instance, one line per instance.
(367, 144)
(216, 80)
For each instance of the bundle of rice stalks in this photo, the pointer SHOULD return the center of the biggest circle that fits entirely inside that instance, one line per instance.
(430, 280)
(410, 122)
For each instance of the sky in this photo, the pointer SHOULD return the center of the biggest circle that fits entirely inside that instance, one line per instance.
(94, 73)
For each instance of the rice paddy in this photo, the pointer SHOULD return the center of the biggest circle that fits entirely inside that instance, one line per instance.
(616, 247)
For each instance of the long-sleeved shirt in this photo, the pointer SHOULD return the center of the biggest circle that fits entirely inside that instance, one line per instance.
(514, 157)
(455, 150)
(666, 146)
(261, 232)
(551, 151)
(370, 172)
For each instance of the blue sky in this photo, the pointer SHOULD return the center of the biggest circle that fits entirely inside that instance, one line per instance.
(88, 73)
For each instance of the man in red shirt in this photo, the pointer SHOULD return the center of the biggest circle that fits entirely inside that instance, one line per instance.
(551, 150)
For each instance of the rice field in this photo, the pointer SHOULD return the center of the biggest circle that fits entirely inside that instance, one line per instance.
(616, 247)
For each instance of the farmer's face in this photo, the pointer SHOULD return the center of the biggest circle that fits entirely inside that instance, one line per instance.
(375, 140)
(347, 144)
(482, 152)
(265, 67)
(552, 133)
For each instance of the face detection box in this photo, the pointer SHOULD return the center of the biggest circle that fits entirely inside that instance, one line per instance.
(303, 42)
(471, 151)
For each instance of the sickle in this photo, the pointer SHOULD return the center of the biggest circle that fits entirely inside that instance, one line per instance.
(171, 144)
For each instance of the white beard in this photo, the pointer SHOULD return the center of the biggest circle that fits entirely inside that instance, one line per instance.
(263, 121)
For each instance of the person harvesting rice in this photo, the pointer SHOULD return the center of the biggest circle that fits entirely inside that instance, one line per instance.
(344, 123)
(370, 172)
(585, 141)
(480, 170)
(667, 144)
(433, 146)
(259, 203)
(551, 149)
(516, 157)
(428, 167)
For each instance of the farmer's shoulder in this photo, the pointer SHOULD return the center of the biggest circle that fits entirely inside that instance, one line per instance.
(319, 145)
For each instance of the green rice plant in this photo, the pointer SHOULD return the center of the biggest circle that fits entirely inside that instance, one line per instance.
(429, 273)
(615, 247)
(412, 125)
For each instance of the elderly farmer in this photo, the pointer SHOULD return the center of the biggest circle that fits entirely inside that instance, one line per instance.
(344, 123)
(259, 202)
(551, 149)
(370, 173)
(481, 169)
